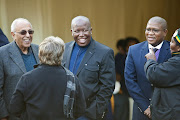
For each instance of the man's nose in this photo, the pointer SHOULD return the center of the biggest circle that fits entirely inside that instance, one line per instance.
(27, 34)
(81, 33)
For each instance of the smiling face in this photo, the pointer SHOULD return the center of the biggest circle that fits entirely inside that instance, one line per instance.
(23, 41)
(155, 33)
(81, 32)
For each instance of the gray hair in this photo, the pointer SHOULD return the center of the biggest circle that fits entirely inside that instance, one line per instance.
(80, 19)
(159, 20)
(51, 51)
(16, 21)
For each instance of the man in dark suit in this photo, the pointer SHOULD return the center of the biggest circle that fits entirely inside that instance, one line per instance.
(3, 39)
(139, 88)
(16, 58)
(93, 63)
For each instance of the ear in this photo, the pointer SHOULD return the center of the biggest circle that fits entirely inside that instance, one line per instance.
(91, 30)
(71, 32)
(12, 34)
(165, 32)
(178, 48)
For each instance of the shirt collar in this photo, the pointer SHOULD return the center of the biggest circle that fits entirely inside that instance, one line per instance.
(158, 46)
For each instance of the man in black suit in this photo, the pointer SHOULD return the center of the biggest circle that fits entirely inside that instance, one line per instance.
(93, 63)
(3, 39)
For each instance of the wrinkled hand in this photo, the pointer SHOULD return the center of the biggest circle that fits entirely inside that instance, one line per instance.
(148, 112)
(150, 55)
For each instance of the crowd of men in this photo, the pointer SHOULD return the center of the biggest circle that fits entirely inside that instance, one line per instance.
(57, 81)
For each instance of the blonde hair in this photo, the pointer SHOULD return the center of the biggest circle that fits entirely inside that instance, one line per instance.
(51, 51)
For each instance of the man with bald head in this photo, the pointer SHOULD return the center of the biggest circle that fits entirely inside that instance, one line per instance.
(93, 63)
(139, 88)
(16, 58)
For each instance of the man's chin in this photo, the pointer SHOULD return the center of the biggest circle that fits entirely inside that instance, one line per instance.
(82, 45)
(27, 45)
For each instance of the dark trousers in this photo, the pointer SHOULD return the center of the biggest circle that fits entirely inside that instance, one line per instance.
(121, 107)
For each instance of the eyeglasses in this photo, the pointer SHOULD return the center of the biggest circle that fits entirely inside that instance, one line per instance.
(83, 31)
(153, 30)
(24, 32)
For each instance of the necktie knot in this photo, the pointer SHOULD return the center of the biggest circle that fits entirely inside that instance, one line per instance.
(155, 49)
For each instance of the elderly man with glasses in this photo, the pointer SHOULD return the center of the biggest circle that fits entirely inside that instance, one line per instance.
(139, 88)
(16, 58)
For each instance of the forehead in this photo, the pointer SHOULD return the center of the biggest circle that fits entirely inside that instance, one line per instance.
(153, 24)
(81, 24)
(23, 26)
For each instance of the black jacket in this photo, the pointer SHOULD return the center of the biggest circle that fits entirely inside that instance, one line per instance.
(39, 95)
(3, 39)
(165, 77)
(96, 74)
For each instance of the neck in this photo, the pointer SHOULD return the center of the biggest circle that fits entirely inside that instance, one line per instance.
(24, 50)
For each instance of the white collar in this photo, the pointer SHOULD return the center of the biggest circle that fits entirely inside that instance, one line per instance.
(158, 46)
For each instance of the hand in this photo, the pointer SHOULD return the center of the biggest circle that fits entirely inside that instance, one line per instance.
(148, 112)
(150, 55)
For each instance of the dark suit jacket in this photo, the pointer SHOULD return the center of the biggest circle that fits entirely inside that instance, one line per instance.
(139, 87)
(97, 76)
(3, 39)
(11, 69)
(165, 104)
(40, 93)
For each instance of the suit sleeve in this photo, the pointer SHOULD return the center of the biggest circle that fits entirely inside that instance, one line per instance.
(3, 39)
(3, 108)
(132, 85)
(17, 104)
(164, 74)
(107, 79)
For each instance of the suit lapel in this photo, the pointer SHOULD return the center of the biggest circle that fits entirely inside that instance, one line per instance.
(16, 56)
(35, 51)
(90, 51)
(163, 52)
(144, 51)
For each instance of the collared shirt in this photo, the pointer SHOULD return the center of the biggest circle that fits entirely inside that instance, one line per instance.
(76, 57)
(157, 47)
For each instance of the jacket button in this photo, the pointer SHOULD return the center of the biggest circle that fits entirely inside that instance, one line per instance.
(150, 99)
(151, 84)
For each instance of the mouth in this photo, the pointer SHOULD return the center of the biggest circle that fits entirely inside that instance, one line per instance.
(27, 41)
(151, 38)
(82, 40)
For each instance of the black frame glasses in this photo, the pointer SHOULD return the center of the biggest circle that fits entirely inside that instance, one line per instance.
(24, 32)
(153, 30)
